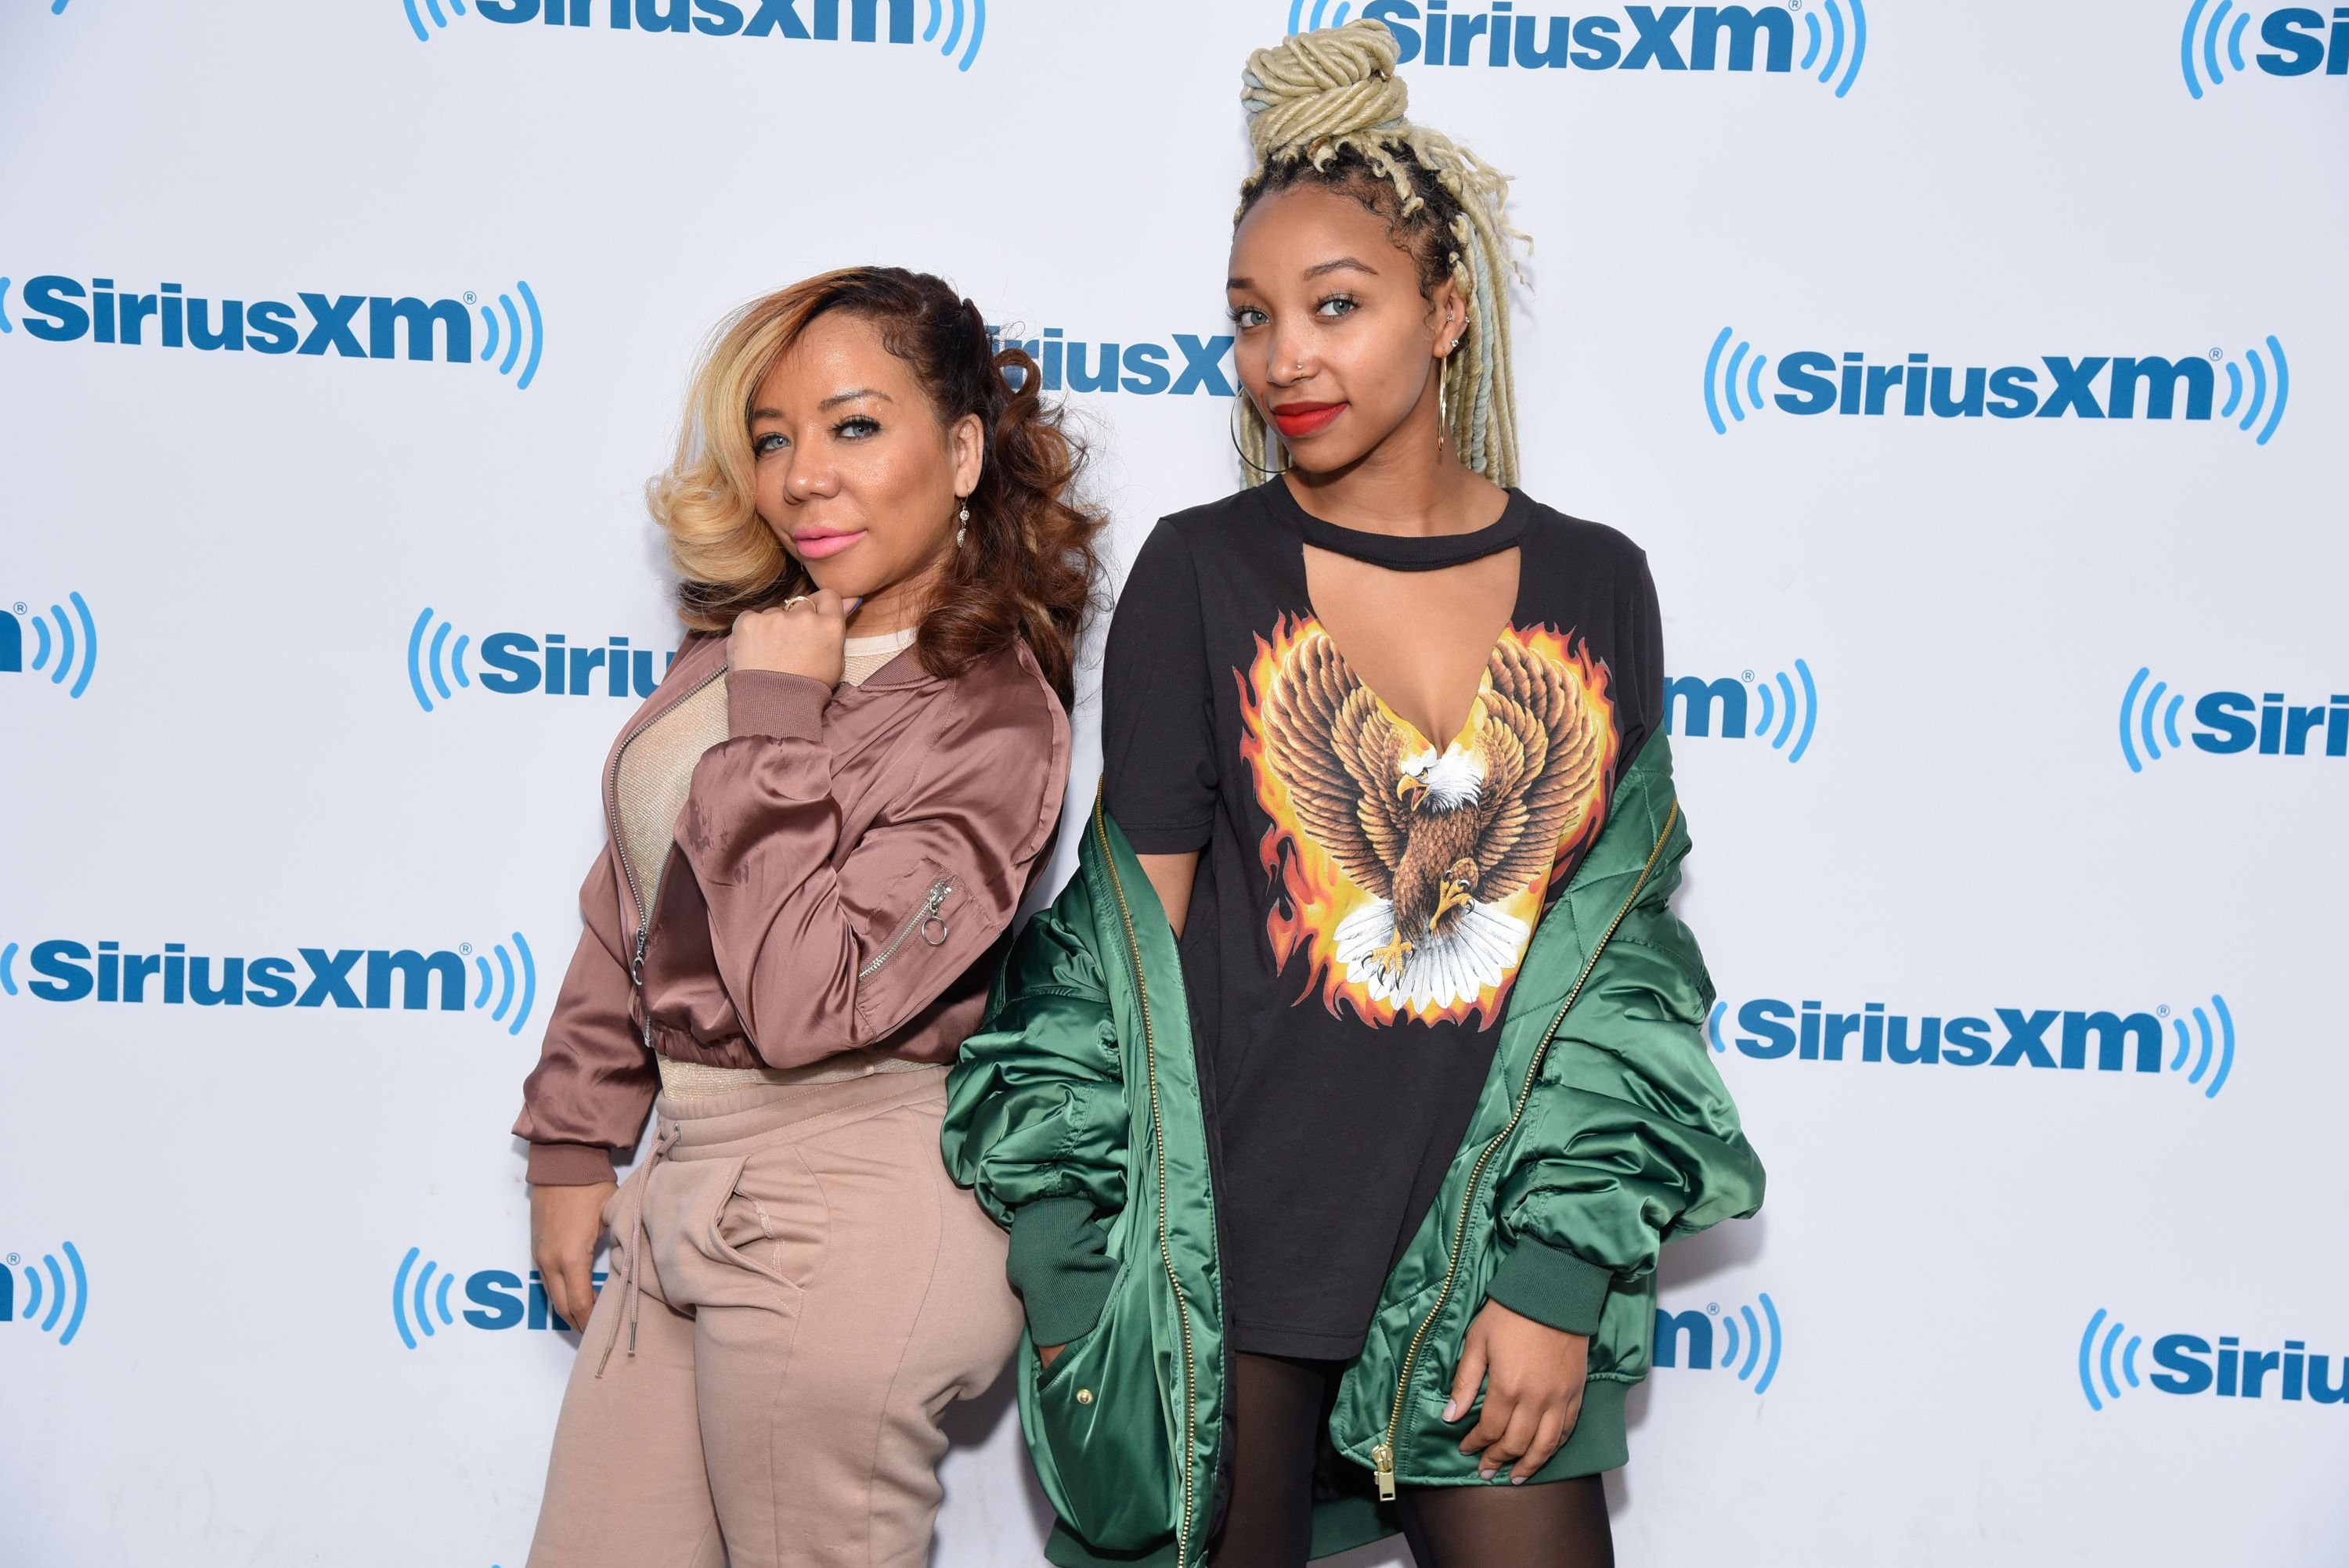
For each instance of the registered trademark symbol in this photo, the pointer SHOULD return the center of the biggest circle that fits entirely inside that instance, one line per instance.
(12, 1257)
(465, 947)
(2163, 1009)
(2217, 354)
(1714, 1308)
(469, 298)
(1749, 675)
(1794, 4)
(20, 606)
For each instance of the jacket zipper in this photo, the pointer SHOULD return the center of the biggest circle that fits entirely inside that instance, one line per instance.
(1382, 1456)
(922, 920)
(1166, 1252)
(627, 871)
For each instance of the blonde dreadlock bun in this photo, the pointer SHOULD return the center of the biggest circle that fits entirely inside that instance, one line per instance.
(1320, 95)
(1339, 81)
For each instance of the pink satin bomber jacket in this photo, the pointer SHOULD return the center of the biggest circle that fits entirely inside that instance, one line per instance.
(846, 867)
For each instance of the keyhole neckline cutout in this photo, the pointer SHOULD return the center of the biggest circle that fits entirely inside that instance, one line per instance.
(1404, 553)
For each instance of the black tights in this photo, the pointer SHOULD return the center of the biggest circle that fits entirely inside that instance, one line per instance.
(1279, 1409)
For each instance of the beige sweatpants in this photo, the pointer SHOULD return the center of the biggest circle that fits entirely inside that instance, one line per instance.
(814, 1291)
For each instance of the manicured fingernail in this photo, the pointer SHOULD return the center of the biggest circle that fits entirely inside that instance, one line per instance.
(1451, 1409)
(1516, 1481)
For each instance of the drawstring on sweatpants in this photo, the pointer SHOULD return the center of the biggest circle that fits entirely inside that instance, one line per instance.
(630, 1290)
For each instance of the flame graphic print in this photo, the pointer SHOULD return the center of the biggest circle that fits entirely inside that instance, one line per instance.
(1408, 875)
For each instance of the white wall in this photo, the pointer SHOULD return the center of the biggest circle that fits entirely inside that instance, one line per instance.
(248, 772)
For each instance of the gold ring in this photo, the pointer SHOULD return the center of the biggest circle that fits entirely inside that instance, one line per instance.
(795, 599)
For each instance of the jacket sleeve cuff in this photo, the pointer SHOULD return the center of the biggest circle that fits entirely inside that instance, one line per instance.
(775, 704)
(1060, 1267)
(569, 1164)
(1551, 1286)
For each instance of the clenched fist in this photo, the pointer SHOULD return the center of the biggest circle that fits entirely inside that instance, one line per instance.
(801, 638)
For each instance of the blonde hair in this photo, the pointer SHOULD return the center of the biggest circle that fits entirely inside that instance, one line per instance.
(1024, 567)
(726, 558)
(1322, 103)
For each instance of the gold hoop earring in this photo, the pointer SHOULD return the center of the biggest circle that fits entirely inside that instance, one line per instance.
(1231, 426)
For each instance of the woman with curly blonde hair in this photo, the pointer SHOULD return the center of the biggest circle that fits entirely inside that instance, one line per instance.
(819, 829)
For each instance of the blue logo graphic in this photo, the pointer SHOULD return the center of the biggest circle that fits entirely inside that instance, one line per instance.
(517, 662)
(1754, 1352)
(2231, 722)
(1815, 381)
(2106, 1367)
(68, 970)
(56, 1295)
(1644, 37)
(2035, 1038)
(1187, 366)
(59, 309)
(420, 1300)
(64, 648)
(2296, 36)
(1692, 705)
(952, 25)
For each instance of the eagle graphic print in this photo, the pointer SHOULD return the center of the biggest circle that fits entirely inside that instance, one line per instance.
(1409, 875)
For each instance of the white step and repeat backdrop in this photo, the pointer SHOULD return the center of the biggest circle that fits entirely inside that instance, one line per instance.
(1972, 375)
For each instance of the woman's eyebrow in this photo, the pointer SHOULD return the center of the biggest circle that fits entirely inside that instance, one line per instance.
(1341, 265)
(851, 397)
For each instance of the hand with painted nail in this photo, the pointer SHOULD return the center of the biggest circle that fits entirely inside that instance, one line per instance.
(1532, 1375)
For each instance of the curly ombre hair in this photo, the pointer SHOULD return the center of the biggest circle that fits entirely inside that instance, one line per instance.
(1027, 567)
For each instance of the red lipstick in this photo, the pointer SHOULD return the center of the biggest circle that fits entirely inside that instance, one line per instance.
(1296, 420)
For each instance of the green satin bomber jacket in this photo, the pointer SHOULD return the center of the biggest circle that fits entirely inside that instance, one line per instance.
(1602, 1130)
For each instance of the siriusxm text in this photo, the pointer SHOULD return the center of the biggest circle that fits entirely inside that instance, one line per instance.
(2188, 1365)
(519, 663)
(1191, 365)
(2012, 1036)
(367, 978)
(2234, 722)
(1639, 37)
(2089, 387)
(352, 326)
(813, 19)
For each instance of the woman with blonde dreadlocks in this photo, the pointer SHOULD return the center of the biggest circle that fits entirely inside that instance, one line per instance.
(1354, 1226)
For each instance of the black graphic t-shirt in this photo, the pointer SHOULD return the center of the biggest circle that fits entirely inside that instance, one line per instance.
(1366, 894)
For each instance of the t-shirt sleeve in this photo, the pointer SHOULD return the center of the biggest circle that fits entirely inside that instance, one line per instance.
(1640, 655)
(1158, 724)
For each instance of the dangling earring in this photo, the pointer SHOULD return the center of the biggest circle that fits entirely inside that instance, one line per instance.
(1443, 414)
(962, 521)
(1233, 427)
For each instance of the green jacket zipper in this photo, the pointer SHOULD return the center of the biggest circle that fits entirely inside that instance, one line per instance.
(1382, 1456)
(1166, 1251)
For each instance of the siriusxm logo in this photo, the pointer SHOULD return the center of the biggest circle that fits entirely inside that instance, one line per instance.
(519, 663)
(64, 648)
(2231, 721)
(375, 979)
(59, 309)
(1716, 37)
(1817, 382)
(1193, 364)
(55, 1295)
(2190, 1367)
(1696, 707)
(2298, 38)
(2032, 1037)
(951, 26)
(1690, 1338)
(500, 1298)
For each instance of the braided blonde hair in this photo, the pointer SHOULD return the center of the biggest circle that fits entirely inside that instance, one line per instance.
(1318, 98)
